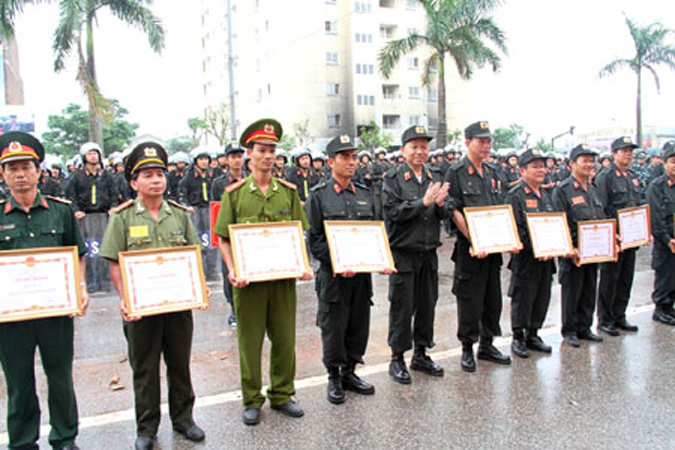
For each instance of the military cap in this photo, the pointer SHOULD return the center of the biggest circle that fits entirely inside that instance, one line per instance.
(261, 129)
(145, 155)
(581, 149)
(233, 147)
(17, 145)
(529, 155)
(415, 132)
(668, 150)
(477, 130)
(623, 142)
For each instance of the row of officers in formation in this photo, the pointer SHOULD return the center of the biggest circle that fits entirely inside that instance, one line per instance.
(416, 197)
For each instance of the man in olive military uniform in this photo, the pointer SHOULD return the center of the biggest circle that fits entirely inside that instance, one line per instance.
(618, 188)
(661, 197)
(263, 307)
(530, 286)
(344, 298)
(234, 153)
(146, 223)
(413, 204)
(30, 220)
(578, 198)
(477, 283)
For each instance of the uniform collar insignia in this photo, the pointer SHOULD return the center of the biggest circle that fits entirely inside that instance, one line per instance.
(407, 176)
(252, 186)
(471, 170)
(337, 187)
(275, 186)
(618, 173)
(670, 184)
(43, 202)
(352, 188)
(576, 185)
(527, 190)
(431, 177)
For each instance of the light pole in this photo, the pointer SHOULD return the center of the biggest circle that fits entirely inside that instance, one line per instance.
(570, 132)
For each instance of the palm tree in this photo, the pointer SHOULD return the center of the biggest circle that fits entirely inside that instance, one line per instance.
(455, 29)
(76, 29)
(651, 50)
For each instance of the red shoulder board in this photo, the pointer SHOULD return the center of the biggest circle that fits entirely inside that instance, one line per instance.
(234, 186)
(288, 184)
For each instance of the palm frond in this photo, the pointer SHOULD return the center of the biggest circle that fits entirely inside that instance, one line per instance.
(428, 74)
(651, 70)
(391, 53)
(9, 9)
(99, 105)
(136, 14)
(68, 31)
(613, 66)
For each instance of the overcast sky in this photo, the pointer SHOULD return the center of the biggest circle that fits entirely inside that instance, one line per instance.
(548, 82)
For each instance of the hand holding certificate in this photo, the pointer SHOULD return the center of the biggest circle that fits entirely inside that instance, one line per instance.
(492, 229)
(634, 226)
(597, 241)
(358, 246)
(549, 234)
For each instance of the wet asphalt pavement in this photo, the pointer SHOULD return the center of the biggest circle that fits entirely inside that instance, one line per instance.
(616, 394)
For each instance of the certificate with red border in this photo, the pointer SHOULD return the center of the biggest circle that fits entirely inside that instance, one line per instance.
(597, 241)
(635, 227)
(492, 229)
(358, 246)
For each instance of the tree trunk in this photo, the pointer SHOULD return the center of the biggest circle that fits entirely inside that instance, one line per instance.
(95, 129)
(13, 82)
(638, 129)
(442, 132)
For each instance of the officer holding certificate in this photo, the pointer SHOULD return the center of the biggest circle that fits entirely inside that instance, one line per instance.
(150, 222)
(578, 198)
(30, 220)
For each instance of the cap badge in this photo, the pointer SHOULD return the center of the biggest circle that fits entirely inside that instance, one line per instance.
(535, 152)
(149, 151)
(14, 146)
(269, 128)
(419, 130)
(626, 140)
(585, 147)
(344, 139)
(484, 125)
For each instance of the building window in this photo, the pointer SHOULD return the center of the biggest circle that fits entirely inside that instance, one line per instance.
(387, 31)
(390, 91)
(390, 121)
(363, 38)
(363, 7)
(388, 3)
(413, 120)
(365, 100)
(331, 27)
(365, 69)
(358, 68)
(413, 92)
(371, 99)
(359, 100)
(333, 120)
(432, 94)
(411, 4)
(412, 31)
(332, 58)
(413, 63)
(332, 89)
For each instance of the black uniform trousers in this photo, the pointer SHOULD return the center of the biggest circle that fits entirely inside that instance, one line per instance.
(54, 338)
(413, 292)
(663, 263)
(530, 293)
(227, 287)
(616, 282)
(169, 334)
(93, 227)
(578, 286)
(201, 219)
(343, 316)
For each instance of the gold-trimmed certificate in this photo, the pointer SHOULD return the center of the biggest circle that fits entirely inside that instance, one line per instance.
(492, 229)
(163, 280)
(549, 234)
(635, 228)
(268, 251)
(40, 282)
(358, 246)
(597, 241)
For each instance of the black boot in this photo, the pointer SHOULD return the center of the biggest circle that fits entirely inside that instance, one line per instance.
(488, 352)
(518, 345)
(423, 363)
(468, 363)
(352, 382)
(534, 342)
(398, 370)
(336, 393)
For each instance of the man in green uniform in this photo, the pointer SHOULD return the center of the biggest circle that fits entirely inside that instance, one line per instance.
(146, 223)
(30, 220)
(263, 307)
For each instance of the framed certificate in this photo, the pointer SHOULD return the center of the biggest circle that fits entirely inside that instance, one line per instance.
(163, 280)
(549, 234)
(635, 226)
(268, 251)
(39, 283)
(492, 229)
(597, 241)
(359, 246)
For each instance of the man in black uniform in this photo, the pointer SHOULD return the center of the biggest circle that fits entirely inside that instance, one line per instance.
(344, 298)
(234, 153)
(618, 188)
(530, 286)
(661, 197)
(380, 167)
(477, 283)
(182, 160)
(303, 176)
(413, 204)
(578, 198)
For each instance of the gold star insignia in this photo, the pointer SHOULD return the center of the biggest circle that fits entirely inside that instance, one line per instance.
(15, 146)
(419, 130)
(344, 139)
(484, 125)
(150, 151)
(269, 128)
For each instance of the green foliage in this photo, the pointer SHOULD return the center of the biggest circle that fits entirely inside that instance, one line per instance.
(507, 137)
(454, 137)
(286, 143)
(301, 133)
(371, 137)
(544, 145)
(216, 123)
(180, 144)
(68, 131)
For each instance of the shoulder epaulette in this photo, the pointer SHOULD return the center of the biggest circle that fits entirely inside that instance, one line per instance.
(391, 173)
(177, 205)
(234, 186)
(360, 185)
(121, 207)
(58, 199)
(321, 185)
(288, 184)
(3, 201)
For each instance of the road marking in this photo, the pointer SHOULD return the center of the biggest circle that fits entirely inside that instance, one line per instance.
(232, 396)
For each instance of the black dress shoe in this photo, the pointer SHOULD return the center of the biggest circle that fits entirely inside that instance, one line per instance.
(290, 409)
(589, 336)
(536, 344)
(609, 329)
(489, 352)
(662, 316)
(625, 325)
(572, 340)
(336, 393)
(194, 434)
(352, 382)
(251, 416)
(519, 348)
(144, 443)
(468, 363)
(424, 363)
(398, 371)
